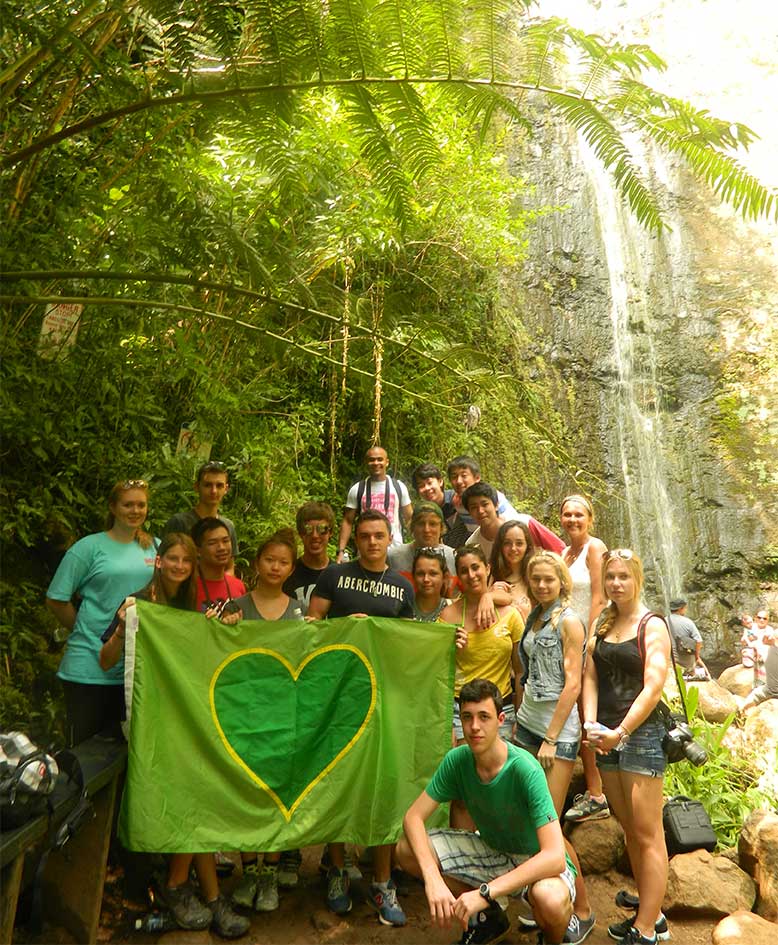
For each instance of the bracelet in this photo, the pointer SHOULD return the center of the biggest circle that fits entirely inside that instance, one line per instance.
(550, 741)
(624, 735)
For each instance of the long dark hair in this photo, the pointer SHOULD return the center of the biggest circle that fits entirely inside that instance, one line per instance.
(185, 597)
(500, 567)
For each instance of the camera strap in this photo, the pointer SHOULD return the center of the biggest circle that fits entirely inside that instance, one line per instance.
(641, 641)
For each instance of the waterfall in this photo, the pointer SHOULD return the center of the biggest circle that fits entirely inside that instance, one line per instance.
(633, 410)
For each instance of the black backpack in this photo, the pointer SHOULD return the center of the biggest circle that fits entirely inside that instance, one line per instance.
(27, 778)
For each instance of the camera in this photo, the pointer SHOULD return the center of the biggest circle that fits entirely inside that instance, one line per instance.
(679, 743)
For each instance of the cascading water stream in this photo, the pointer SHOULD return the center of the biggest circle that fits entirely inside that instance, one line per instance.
(636, 414)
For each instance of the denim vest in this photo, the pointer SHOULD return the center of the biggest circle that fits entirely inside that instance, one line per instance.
(545, 669)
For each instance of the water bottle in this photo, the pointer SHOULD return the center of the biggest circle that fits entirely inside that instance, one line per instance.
(156, 922)
(345, 556)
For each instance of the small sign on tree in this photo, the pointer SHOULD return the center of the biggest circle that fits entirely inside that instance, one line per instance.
(59, 329)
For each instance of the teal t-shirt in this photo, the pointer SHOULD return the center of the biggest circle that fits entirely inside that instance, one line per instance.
(508, 809)
(102, 572)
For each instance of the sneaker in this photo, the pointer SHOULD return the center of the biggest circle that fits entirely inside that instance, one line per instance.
(226, 922)
(626, 900)
(245, 892)
(525, 915)
(338, 899)
(633, 937)
(267, 889)
(578, 929)
(186, 908)
(489, 926)
(353, 870)
(619, 930)
(224, 865)
(384, 901)
(289, 869)
(586, 808)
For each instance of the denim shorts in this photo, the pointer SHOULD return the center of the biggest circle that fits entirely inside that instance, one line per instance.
(506, 729)
(642, 754)
(524, 738)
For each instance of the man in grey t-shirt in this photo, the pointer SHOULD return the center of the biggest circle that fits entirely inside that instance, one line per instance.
(687, 639)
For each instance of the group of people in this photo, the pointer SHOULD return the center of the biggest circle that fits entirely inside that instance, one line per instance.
(556, 655)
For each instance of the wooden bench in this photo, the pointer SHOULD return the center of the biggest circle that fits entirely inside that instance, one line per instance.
(74, 876)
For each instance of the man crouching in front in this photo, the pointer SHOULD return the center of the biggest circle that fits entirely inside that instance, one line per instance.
(518, 850)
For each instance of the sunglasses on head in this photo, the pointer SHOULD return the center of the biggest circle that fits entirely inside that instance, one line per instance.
(316, 529)
(429, 552)
(135, 484)
(623, 553)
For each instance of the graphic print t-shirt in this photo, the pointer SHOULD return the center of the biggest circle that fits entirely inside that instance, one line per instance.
(352, 589)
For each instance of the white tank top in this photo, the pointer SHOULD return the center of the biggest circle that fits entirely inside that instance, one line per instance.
(581, 598)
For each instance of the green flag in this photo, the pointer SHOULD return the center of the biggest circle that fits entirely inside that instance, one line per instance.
(274, 735)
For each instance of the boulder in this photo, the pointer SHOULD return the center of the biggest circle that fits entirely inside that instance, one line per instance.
(761, 733)
(738, 680)
(758, 849)
(598, 843)
(715, 702)
(744, 928)
(706, 884)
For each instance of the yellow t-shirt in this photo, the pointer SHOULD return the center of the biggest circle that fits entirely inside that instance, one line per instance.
(488, 652)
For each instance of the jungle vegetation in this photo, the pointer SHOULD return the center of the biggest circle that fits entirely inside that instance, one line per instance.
(285, 222)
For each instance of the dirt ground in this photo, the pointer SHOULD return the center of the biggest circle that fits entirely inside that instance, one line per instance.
(303, 918)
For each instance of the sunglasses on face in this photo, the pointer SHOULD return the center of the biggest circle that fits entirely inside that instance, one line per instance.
(316, 529)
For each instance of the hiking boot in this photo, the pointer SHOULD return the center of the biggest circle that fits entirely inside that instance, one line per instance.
(267, 889)
(245, 892)
(384, 901)
(619, 930)
(578, 929)
(338, 899)
(586, 808)
(226, 922)
(289, 869)
(489, 926)
(224, 865)
(186, 908)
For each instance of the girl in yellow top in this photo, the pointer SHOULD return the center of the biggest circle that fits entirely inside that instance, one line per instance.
(488, 653)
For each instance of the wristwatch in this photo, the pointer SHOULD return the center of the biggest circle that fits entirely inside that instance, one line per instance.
(483, 890)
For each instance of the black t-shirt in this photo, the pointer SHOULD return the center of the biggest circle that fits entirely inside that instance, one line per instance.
(352, 589)
(301, 582)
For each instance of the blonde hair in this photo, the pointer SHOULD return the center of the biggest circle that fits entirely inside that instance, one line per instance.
(143, 538)
(562, 572)
(581, 500)
(635, 567)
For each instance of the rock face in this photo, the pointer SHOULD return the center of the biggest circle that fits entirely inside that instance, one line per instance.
(707, 884)
(738, 680)
(744, 928)
(598, 843)
(645, 335)
(761, 730)
(715, 702)
(758, 850)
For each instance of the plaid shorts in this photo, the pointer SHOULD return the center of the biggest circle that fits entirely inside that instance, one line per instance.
(467, 857)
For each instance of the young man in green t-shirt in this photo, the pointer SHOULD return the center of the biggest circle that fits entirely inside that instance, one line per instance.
(519, 843)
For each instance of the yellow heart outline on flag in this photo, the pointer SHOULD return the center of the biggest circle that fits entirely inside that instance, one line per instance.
(295, 674)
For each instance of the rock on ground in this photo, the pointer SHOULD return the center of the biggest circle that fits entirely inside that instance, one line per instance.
(598, 843)
(761, 733)
(704, 883)
(715, 702)
(758, 849)
(738, 680)
(744, 928)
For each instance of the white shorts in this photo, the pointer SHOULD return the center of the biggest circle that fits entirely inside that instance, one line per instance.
(465, 856)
